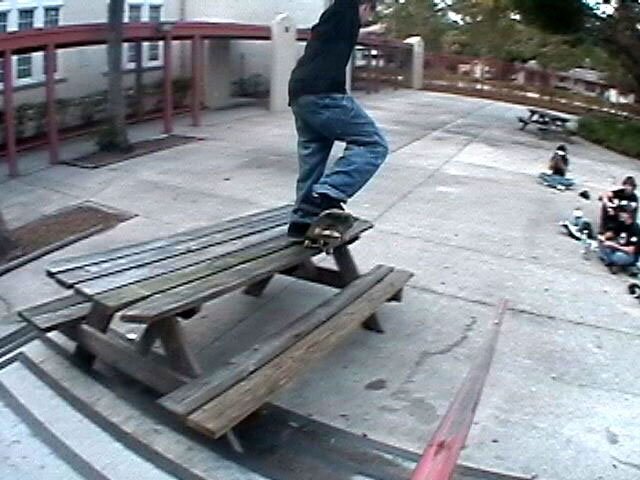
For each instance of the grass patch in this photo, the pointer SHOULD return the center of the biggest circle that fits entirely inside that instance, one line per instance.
(614, 133)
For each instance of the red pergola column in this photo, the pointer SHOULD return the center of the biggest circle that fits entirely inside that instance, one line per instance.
(168, 85)
(52, 116)
(196, 80)
(9, 115)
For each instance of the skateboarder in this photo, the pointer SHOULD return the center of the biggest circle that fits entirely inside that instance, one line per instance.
(324, 113)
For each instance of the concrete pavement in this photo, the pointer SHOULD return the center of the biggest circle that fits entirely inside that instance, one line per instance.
(458, 204)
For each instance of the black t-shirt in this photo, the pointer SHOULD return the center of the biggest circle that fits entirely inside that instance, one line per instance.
(620, 198)
(627, 235)
(322, 68)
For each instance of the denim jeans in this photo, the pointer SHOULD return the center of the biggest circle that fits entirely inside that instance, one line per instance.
(322, 120)
(611, 256)
(555, 180)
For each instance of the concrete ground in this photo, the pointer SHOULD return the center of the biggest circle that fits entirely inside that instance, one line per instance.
(457, 203)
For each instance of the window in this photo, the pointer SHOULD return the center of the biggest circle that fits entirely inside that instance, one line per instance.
(4, 16)
(155, 13)
(25, 19)
(132, 56)
(154, 52)
(51, 17)
(25, 64)
(135, 13)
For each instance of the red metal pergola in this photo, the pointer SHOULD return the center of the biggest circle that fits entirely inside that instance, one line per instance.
(72, 36)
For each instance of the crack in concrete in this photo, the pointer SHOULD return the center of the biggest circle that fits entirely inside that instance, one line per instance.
(484, 252)
(402, 393)
(469, 141)
(635, 466)
(523, 311)
(598, 388)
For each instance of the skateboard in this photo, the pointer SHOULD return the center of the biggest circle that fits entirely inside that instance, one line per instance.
(328, 230)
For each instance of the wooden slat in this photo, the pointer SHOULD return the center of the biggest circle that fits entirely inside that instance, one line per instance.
(58, 319)
(196, 393)
(120, 297)
(51, 306)
(222, 413)
(82, 260)
(195, 293)
(109, 266)
(57, 312)
(144, 272)
(120, 354)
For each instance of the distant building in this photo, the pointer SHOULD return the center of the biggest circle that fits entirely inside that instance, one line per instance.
(583, 80)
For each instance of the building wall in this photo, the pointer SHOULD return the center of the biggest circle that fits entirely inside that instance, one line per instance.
(250, 58)
(81, 71)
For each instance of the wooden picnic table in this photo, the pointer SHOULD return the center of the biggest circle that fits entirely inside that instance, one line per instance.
(545, 120)
(163, 283)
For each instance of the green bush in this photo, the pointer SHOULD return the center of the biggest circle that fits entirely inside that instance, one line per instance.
(612, 132)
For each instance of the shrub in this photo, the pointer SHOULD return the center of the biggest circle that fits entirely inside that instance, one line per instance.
(615, 133)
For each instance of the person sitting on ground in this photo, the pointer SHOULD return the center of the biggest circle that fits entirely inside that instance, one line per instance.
(579, 226)
(619, 247)
(556, 176)
(615, 200)
(325, 113)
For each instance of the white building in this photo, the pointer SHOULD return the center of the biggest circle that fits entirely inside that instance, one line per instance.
(82, 71)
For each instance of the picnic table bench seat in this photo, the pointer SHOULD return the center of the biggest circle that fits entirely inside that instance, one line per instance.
(161, 284)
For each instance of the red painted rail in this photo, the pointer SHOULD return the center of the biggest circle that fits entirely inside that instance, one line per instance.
(439, 459)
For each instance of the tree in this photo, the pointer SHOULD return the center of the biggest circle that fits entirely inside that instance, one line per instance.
(424, 18)
(6, 242)
(114, 134)
(613, 26)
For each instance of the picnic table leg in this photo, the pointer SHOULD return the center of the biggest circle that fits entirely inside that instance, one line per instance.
(349, 272)
(99, 318)
(175, 347)
(147, 339)
(257, 289)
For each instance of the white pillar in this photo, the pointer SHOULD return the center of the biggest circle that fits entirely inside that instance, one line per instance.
(217, 73)
(283, 59)
(416, 73)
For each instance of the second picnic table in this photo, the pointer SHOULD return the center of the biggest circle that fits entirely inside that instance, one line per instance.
(545, 120)
(162, 283)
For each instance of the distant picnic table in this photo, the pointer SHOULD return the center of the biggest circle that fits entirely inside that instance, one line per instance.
(161, 284)
(546, 121)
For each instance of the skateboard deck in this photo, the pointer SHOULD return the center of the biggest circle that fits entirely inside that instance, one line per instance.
(328, 230)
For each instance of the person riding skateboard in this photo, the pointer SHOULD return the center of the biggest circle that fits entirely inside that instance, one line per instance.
(324, 113)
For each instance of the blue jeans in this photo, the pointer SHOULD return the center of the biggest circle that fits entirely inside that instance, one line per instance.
(322, 120)
(555, 180)
(611, 256)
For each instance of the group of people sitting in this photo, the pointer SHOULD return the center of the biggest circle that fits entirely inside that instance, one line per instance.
(618, 236)
(619, 233)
